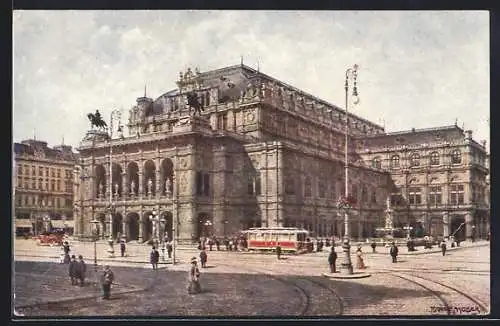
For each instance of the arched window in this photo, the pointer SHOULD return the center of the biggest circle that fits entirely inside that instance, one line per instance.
(364, 194)
(456, 157)
(377, 163)
(395, 161)
(321, 188)
(207, 99)
(414, 160)
(434, 158)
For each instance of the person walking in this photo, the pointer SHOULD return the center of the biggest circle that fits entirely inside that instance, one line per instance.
(81, 270)
(332, 259)
(443, 247)
(107, 279)
(66, 250)
(394, 252)
(122, 247)
(72, 270)
(359, 257)
(194, 278)
(278, 251)
(373, 245)
(154, 257)
(203, 259)
(169, 249)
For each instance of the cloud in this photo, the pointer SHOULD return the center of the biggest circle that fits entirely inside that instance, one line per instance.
(417, 69)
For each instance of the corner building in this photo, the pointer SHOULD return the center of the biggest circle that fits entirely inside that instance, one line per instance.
(262, 153)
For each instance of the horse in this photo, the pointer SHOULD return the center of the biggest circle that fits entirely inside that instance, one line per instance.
(96, 120)
(194, 103)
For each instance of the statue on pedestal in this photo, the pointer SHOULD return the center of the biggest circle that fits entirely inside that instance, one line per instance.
(132, 188)
(150, 186)
(116, 189)
(168, 184)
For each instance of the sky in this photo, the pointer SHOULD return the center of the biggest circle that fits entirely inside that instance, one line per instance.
(417, 69)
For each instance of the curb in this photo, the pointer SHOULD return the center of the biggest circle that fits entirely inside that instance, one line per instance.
(340, 276)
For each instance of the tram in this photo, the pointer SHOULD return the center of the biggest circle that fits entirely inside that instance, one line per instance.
(267, 239)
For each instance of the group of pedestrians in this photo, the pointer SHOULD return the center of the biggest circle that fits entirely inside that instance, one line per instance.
(77, 270)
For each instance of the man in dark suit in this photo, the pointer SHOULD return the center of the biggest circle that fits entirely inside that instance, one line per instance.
(154, 257)
(394, 252)
(332, 259)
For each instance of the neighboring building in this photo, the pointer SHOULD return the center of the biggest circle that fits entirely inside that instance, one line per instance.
(440, 179)
(262, 153)
(43, 187)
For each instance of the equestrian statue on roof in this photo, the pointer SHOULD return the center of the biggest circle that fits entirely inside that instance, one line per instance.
(96, 120)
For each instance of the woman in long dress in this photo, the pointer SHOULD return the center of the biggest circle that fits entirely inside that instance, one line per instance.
(194, 278)
(359, 255)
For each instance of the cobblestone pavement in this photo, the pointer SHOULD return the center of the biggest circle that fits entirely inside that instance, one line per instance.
(251, 284)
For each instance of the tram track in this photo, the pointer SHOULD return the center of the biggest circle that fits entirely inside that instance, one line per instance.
(451, 301)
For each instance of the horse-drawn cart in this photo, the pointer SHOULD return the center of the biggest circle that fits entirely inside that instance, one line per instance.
(50, 239)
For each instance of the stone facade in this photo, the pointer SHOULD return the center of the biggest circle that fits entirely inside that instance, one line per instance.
(43, 186)
(262, 153)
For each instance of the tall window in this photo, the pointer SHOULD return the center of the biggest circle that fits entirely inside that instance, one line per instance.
(374, 197)
(435, 196)
(206, 184)
(40, 171)
(396, 199)
(321, 188)
(307, 187)
(364, 195)
(457, 194)
(434, 158)
(254, 187)
(58, 173)
(395, 161)
(20, 170)
(377, 163)
(33, 171)
(456, 157)
(222, 121)
(414, 160)
(415, 195)
(354, 192)
(289, 185)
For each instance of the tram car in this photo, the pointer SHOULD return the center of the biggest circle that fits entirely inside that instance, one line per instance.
(292, 240)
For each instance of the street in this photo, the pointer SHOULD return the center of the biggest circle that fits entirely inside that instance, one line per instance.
(241, 284)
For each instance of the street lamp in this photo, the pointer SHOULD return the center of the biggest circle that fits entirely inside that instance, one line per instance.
(115, 114)
(351, 74)
(95, 234)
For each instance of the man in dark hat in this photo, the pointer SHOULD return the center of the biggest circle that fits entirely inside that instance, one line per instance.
(332, 259)
(203, 259)
(73, 270)
(154, 257)
(81, 270)
(394, 252)
(122, 247)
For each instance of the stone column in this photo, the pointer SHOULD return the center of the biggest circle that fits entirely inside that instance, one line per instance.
(446, 224)
(125, 191)
(469, 222)
(141, 227)
(158, 184)
(141, 185)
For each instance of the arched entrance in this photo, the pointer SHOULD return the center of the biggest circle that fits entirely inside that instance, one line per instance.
(132, 221)
(147, 227)
(117, 225)
(169, 223)
(457, 227)
(204, 226)
(436, 227)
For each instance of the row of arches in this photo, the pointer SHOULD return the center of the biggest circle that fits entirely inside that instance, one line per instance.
(135, 181)
(135, 227)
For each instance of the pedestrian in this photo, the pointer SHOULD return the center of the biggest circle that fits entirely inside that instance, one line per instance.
(62, 255)
(374, 245)
(169, 249)
(66, 249)
(81, 270)
(210, 244)
(359, 257)
(194, 278)
(217, 244)
(332, 259)
(122, 247)
(72, 269)
(278, 251)
(203, 259)
(394, 252)
(154, 257)
(443, 247)
(107, 279)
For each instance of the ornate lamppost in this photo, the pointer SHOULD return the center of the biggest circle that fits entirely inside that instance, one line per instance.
(344, 204)
(95, 235)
